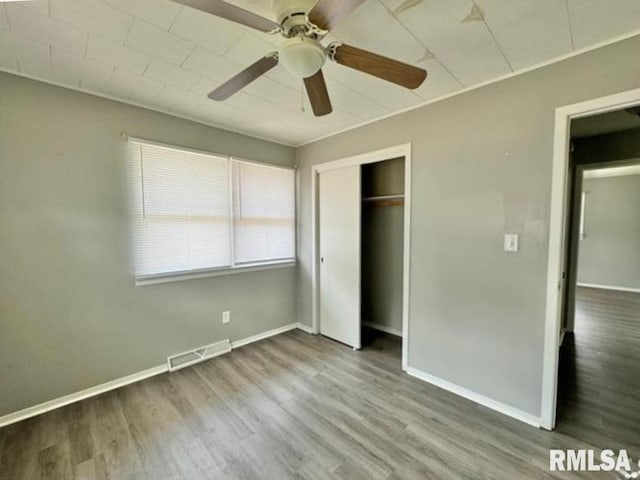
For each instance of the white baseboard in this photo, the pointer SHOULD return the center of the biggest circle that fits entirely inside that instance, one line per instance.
(609, 287)
(81, 395)
(121, 382)
(305, 328)
(262, 336)
(383, 328)
(476, 397)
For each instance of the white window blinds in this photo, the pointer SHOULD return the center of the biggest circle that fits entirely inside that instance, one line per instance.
(193, 211)
(264, 212)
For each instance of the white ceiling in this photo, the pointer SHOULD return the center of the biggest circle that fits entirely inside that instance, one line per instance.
(159, 54)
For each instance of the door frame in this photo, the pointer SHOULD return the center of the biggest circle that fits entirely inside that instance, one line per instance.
(403, 150)
(557, 233)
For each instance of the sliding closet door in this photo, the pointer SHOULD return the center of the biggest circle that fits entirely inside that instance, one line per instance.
(339, 229)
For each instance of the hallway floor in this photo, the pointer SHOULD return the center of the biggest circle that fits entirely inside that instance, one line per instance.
(599, 378)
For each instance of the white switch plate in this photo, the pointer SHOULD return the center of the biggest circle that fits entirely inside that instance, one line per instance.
(226, 316)
(511, 242)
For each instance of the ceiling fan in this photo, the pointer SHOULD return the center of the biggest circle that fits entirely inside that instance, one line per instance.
(301, 52)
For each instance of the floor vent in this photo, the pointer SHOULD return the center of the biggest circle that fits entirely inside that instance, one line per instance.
(181, 360)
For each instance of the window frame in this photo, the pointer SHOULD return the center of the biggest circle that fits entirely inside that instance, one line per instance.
(166, 277)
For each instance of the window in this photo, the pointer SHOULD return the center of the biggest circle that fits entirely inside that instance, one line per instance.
(263, 213)
(195, 212)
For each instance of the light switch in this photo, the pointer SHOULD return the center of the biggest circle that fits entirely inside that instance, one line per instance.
(511, 242)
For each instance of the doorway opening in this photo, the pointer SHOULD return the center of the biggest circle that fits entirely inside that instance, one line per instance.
(593, 289)
(599, 363)
(361, 246)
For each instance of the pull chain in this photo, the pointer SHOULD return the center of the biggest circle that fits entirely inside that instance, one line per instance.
(302, 98)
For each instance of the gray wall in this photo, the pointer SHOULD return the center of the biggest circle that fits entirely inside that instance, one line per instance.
(610, 251)
(481, 168)
(382, 245)
(70, 316)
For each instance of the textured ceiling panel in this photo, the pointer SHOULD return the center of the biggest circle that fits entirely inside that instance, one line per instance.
(171, 75)
(597, 20)
(31, 23)
(528, 32)
(113, 53)
(458, 39)
(168, 57)
(216, 34)
(93, 16)
(158, 43)
(161, 14)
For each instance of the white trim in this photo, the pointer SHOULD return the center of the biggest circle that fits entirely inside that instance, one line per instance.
(531, 68)
(364, 158)
(81, 395)
(608, 172)
(123, 381)
(263, 335)
(406, 267)
(304, 327)
(608, 287)
(403, 150)
(167, 278)
(383, 328)
(476, 397)
(557, 225)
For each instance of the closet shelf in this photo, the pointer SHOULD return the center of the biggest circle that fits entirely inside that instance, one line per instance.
(385, 200)
(383, 197)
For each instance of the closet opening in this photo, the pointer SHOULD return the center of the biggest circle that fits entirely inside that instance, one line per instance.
(382, 250)
(361, 222)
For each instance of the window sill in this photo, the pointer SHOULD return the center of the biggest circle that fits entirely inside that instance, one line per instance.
(178, 277)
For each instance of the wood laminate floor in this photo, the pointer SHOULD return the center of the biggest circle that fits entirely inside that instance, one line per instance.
(599, 377)
(292, 406)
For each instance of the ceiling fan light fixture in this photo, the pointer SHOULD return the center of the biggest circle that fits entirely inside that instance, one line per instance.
(302, 56)
(302, 24)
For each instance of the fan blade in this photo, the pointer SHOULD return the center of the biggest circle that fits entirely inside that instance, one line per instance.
(326, 14)
(231, 12)
(382, 67)
(318, 95)
(245, 77)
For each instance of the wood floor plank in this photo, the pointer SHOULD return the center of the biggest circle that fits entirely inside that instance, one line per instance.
(298, 406)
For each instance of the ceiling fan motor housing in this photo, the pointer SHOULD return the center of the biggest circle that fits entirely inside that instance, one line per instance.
(302, 56)
(285, 9)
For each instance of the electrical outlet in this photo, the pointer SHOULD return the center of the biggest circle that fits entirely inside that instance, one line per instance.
(226, 316)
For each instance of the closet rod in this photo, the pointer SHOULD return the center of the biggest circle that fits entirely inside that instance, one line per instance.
(383, 197)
